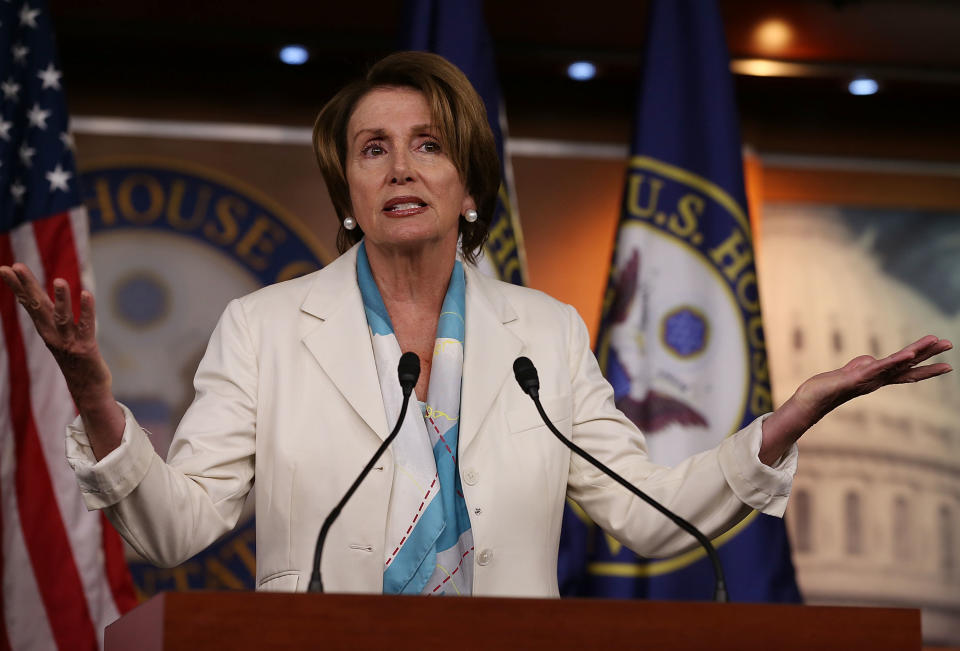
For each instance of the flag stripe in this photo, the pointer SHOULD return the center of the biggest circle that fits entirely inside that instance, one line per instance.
(81, 240)
(4, 639)
(97, 552)
(118, 575)
(23, 616)
(46, 538)
(55, 234)
(53, 408)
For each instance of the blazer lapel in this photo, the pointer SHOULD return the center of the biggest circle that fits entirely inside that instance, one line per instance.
(489, 350)
(340, 342)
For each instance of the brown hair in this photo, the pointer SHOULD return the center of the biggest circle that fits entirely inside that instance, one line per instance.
(459, 115)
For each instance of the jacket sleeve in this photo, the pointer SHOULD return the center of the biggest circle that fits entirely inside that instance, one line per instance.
(170, 511)
(713, 490)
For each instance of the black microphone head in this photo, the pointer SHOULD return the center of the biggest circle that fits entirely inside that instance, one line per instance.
(408, 371)
(526, 374)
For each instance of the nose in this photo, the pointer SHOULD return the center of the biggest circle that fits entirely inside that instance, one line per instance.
(402, 171)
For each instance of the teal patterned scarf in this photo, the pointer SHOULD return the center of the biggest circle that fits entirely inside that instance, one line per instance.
(429, 543)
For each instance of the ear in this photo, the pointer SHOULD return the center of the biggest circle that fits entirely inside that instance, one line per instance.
(468, 204)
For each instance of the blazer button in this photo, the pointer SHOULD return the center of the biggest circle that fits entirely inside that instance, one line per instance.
(485, 557)
(471, 476)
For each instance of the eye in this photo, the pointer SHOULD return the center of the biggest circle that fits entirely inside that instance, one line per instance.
(373, 149)
(431, 146)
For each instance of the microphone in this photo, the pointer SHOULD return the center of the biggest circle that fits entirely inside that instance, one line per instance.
(526, 374)
(408, 372)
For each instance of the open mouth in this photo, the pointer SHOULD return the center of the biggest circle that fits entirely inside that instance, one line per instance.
(404, 204)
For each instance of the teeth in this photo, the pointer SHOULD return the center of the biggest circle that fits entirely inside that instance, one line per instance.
(405, 206)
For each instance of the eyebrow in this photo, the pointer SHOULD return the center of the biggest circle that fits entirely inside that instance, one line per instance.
(380, 132)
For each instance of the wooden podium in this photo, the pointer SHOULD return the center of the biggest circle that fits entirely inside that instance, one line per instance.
(250, 620)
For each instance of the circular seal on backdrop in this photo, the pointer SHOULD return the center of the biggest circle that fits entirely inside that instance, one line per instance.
(684, 331)
(141, 299)
(681, 342)
(171, 244)
(668, 345)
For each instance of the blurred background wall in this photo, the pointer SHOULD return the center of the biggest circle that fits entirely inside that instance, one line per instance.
(856, 201)
(217, 62)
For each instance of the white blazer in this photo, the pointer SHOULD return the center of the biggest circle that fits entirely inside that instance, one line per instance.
(287, 393)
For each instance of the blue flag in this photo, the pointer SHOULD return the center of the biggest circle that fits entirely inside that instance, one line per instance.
(457, 31)
(681, 336)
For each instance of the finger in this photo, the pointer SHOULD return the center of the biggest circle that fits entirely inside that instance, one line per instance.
(11, 280)
(937, 347)
(923, 349)
(26, 277)
(921, 345)
(33, 296)
(914, 351)
(17, 277)
(921, 373)
(888, 369)
(9, 277)
(923, 342)
(900, 360)
(62, 309)
(86, 326)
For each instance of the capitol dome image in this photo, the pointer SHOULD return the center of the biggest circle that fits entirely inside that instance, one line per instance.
(874, 517)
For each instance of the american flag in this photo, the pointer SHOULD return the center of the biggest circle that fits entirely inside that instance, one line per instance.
(63, 571)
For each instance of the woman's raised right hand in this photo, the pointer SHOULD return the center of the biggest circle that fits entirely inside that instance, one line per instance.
(74, 347)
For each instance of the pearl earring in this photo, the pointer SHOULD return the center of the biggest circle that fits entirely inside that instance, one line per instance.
(470, 215)
(349, 223)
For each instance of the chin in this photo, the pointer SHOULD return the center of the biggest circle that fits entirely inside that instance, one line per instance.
(413, 236)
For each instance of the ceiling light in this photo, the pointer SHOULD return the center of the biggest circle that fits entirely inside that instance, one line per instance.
(294, 55)
(582, 71)
(863, 86)
(761, 67)
(773, 35)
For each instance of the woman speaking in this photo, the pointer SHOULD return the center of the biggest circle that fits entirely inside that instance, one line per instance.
(298, 387)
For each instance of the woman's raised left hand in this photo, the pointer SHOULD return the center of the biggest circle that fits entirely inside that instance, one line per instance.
(825, 392)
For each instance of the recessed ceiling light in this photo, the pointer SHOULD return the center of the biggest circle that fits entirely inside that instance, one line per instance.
(773, 35)
(863, 86)
(294, 55)
(581, 70)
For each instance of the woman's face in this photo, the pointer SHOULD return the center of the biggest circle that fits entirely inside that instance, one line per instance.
(405, 190)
